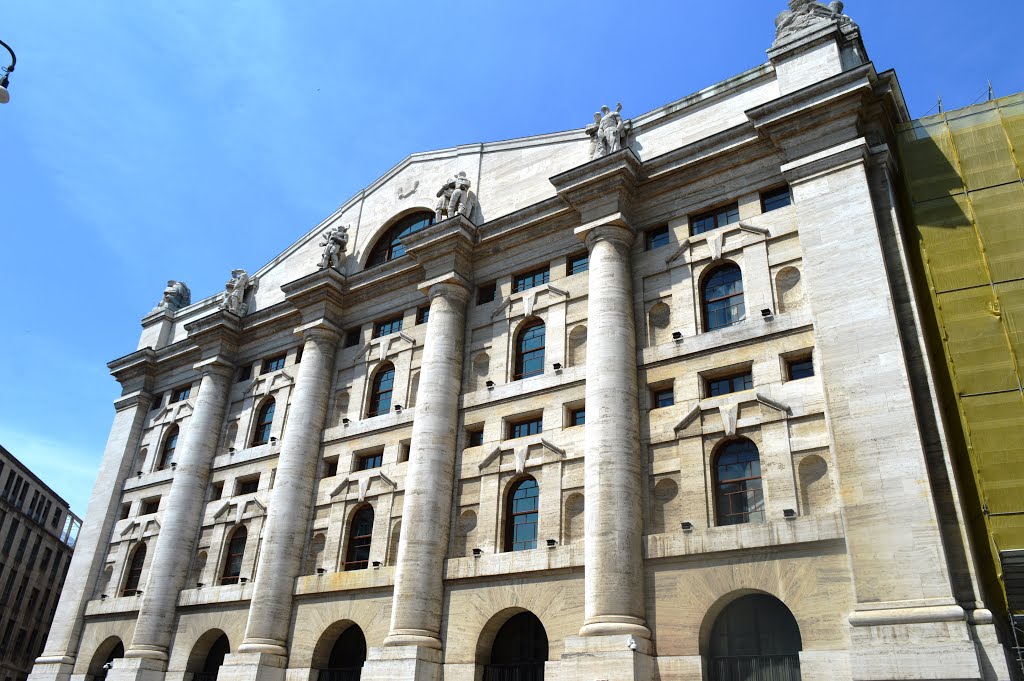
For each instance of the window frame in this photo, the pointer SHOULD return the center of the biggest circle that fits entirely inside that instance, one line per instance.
(365, 541)
(368, 461)
(241, 485)
(264, 423)
(512, 513)
(706, 302)
(776, 193)
(422, 314)
(576, 263)
(657, 237)
(377, 392)
(713, 214)
(234, 549)
(523, 355)
(387, 326)
(746, 373)
(388, 245)
(180, 394)
(133, 575)
(474, 437)
(524, 281)
(659, 390)
(486, 293)
(272, 364)
(790, 361)
(574, 415)
(169, 448)
(529, 423)
(720, 496)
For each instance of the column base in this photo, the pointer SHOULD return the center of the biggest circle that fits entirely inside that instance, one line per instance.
(252, 667)
(137, 669)
(52, 669)
(402, 663)
(620, 657)
(918, 643)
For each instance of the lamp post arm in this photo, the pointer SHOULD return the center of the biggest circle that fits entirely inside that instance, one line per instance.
(14, 58)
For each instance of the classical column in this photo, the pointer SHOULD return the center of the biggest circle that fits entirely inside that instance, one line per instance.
(284, 539)
(419, 576)
(58, 656)
(614, 595)
(182, 517)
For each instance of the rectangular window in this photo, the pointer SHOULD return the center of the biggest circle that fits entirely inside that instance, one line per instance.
(330, 467)
(352, 337)
(126, 511)
(298, 354)
(369, 461)
(158, 400)
(528, 280)
(45, 562)
(387, 327)
(577, 263)
(773, 199)
(485, 293)
(244, 373)
(474, 438)
(662, 397)
(150, 506)
(577, 417)
(180, 394)
(12, 532)
(247, 485)
(532, 426)
(800, 367)
(730, 384)
(656, 238)
(216, 491)
(423, 314)
(56, 517)
(273, 364)
(720, 217)
(403, 450)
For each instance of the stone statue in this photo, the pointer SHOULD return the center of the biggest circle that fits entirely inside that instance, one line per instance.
(608, 132)
(335, 243)
(444, 197)
(804, 14)
(234, 296)
(462, 201)
(454, 198)
(176, 296)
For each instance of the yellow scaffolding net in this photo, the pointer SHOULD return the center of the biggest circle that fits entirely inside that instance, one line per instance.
(962, 173)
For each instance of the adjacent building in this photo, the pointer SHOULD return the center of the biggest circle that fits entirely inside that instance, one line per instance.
(648, 399)
(962, 175)
(38, 532)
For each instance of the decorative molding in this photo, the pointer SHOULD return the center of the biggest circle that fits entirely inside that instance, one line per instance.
(688, 419)
(768, 402)
(364, 487)
(715, 243)
(507, 303)
(489, 459)
(129, 528)
(387, 481)
(224, 507)
(555, 289)
(729, 414)
(754, 229)
(337, 488)
(551, 447)
(684, 246)
(529, 302)
(521, 453)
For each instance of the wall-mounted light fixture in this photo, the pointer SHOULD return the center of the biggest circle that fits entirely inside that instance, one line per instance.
(788, 513)
(321, 571)
(273, 440)
(677, 336)
(557, 366)
(477, 553)
(551, 543)
(687, 526)
(767, 315)
(376, 564)
(490, 385)
(243, 580)
(199, 585)
(345, 422)
(398, 408)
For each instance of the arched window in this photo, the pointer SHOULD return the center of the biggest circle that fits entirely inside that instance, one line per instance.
(170, 444)
(347, 656)
(266, 419)
(722, 294)
(233, 560)
(738, 494)
(389, 246)
(755, 638)
(521, 516)
(360, 536)
(530, 351)
(383, 386)
(131, 583)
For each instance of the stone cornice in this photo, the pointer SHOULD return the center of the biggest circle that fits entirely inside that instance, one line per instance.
(135, 371)
(446, 247)
(601, 187)
(216, 334)
(318, 297)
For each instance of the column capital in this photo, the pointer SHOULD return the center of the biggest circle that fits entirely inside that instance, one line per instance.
(216, 334)
(602, 187)
(319, 297)
(215, 366)
(320, 330)
(613, 228)
(451, 285)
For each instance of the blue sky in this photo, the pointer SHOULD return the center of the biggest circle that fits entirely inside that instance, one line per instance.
(154, 140)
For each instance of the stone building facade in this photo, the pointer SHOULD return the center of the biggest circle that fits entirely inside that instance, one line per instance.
(38, 533)
(645, 400)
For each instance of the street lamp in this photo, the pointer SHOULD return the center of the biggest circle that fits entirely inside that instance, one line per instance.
(5, 96)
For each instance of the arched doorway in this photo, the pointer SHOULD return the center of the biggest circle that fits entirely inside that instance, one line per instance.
(345, 662)
(102, 660)
(519, 651)
(214, 659)
(756, 638)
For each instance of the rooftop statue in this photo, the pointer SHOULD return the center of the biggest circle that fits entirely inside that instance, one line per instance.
(804, 14)
(454, 198)
(335, 243)
(234, 296)
(608, 132)
(176, 296)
